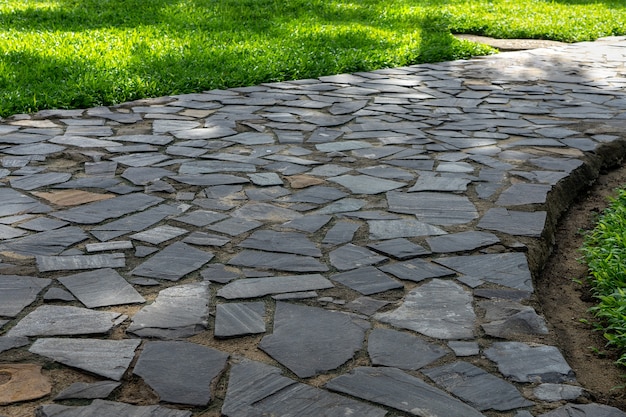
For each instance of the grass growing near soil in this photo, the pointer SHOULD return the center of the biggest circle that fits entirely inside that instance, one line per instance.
(83, 53)
(604, 252)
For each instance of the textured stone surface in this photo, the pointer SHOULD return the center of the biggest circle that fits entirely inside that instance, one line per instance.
(100, 288)
(25, 382)
(173, 262)
(18, 291)
(239, 319)
(396, 349)
(258, 287)
(109, 408)
(85, 390)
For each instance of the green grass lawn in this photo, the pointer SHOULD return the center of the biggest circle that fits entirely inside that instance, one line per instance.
(604, 252)
(83, 53)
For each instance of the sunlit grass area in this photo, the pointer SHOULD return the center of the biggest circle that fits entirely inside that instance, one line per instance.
(83, 53)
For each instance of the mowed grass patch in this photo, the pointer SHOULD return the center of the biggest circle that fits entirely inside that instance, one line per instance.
(604, 252)
(84, 53)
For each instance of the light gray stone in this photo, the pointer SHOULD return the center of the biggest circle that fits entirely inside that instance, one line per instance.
(77, 262)
(101, 288)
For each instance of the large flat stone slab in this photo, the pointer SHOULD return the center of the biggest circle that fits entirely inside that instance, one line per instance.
(433, 208)
(416, 270)
(84, 390)
(101, 288)
(173, 262)
(19, 291)
(367, 280)
(99, 408)
(305, 338)
(278, 261)
(99, 211)
(259, 287)
(284, 242)
(387, 347)
(585, 410)
(48, 243)
(239, 319)
(351, 256)
(78, 262)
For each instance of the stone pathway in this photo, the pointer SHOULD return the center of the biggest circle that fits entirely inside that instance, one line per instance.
(358, 244)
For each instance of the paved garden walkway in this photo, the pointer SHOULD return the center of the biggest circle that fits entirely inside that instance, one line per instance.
(353, 245)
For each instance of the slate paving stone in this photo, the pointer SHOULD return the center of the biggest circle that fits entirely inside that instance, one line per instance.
(517, 223)
(255, 388)
(585, 410)
(342, 206)
(76, 262)
(557, 392)
(34, 149)
(440, 184)
(401, 228)
(396, 389)
(108, 246)
(205, 239)
(180, 372)
(461, 242)
(387, 347)
(341, 232)
(58, 294)
(159, 234)
(239, 319)
(19, 291)
(416, 270)
(32, 182)
(259, 287)
(7, 232)
(530, 363)
(144, 175)
(220, 273)
(72, 197)
(399, 248)
(265, 212)
(97, 212)
(234, 226)
(351, 256)
(386, 171)
(364, 184)
(8, 343)
(14, 202)
(42, 224)
(308, 223)
(464, 348)
(109, 408)
(304, 338)
(520, 194)
(107, 358)
(367, 280)
(433, 208)
(478, 388)
(507, 269)
(284, 242)
(423, 308)
(178, 312)
(173, 262)
(315, 195)
(136, 222)
(52, 320)
(83, 390)
(101, 288)
(366, 305)
(511, 320)
(277, 261)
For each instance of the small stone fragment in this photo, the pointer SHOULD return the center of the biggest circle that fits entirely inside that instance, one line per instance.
(83, 390)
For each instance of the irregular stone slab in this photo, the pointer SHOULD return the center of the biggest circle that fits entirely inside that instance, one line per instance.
(520, 194)
(19, 291)
(367, 280)
(14, 202)
(440, 184)
(399, 248)
(366, 305)
(530, 363)
(510, 320)
(32, 182)
(101, 288)
(83, 390)
(107, 358)
(108, 246)
(139, 221)
(397, 228)
(364, 184)
(259, 287)
(75, 262)
(180, 372)
(416, 270)
(439, 309)
(144, 175)
(278, 261)
(8, 343)
(433, 208)
(299, 329)
(557, 392)
(141, 159)
(284, 242)
(517, 223)
(585, 410)
(179, 311)
(173, 262)
(394, 388)
(159, 234)
(206, 239)
(463, 348)
(341, 232)
(396, 349)
(478, 388)
(342, 206)
(235, 226)
(266, 213)
(210, 179)
(351, 256)
(255, 389)
(201, 218)
(99, 211)
(461, 242)
(211, 167)
(507, 269)
(34, 149)
(315, 195)
(51, 242)
(26, 382)
(308, 223)
(52, 320)
(239, 319)
(100, 408)
(265, 179)
(42, 224)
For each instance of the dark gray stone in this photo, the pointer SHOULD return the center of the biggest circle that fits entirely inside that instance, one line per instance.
(201, 218)
(197, 167)
(557, 392)
(440, 184)
(278, 261)
(341, 232)
(399, 248)
(397, 228)
(525, 363)
(239, 319)
(139, 221)
(367, 280)
(510, 320)
(433, 208)
(83, 390)
(159, 234)
(99, 211)
(206, 239)
(180, 372)
(101, 288)
(19, 291)
(305, 338)
(364, 184)
(520, 194)
(220, 273)
(34, 149)
(396, 349)
(366, 305)
(179, 311)
(32, 182)
(173, 262)
(234, 226)
(342, 206)
(107, 358)
(141, 159)
(464, 348)
(315, 195)
(351, 256)
(478, 388)
(284, 242)
(51, 242)
(51, 320)
(461, 242)
(585, 410)
(308, 223)
(416, 270)
(517, 223)
(77, 262)
(507, 269)
(109, 246)
(14, 202)
(99, 408)
(145, 175)
(257, 389)
(259, 287)
(210, 179)
(8, 343)
(423, 308)
(394, 388)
